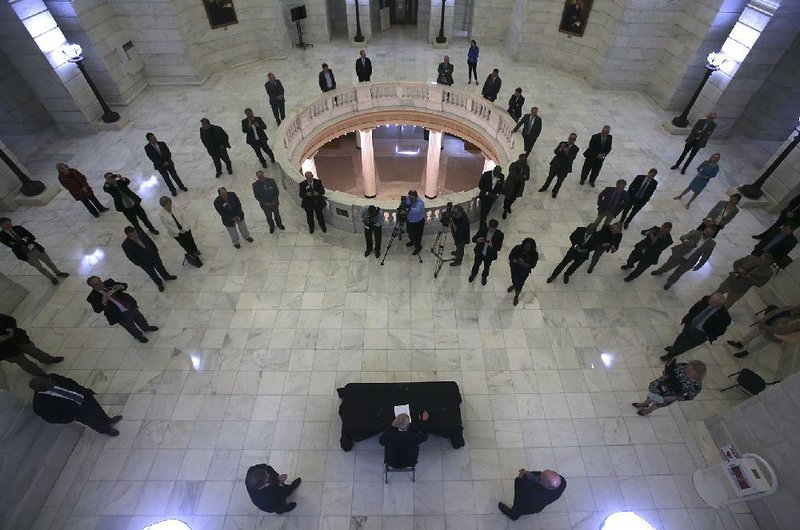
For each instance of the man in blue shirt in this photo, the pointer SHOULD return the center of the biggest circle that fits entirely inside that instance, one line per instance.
(416, 220)
(266, 192)
(372, 217)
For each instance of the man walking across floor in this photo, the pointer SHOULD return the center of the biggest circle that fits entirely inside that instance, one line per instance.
(705, 321)
(217, 143)
(595, 154)
(372, 217)
(697, 139)
(639, 193)
(533, 491)
(59, 399)
(363, 67)
(518, 173)
(16, 345)
(24, 246)
(611, 202)
(491, 87)
(561, 164)
(583, 240)
(488, 242)
(255, 131)
(229, 208)
(312, 195)
(789, 215)
(127, 202)
(490, 185)
(142, 252)
(646, 252)
(268, 490)
(531, 125)
(277, 101)
(109, 297)
(161, 157)
(748, 272)
(266, 192)
(690, 254)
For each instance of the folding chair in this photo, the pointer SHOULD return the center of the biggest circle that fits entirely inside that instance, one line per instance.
(388, 469)
(748, 381)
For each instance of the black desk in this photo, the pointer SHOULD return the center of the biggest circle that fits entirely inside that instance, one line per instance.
(367, 409)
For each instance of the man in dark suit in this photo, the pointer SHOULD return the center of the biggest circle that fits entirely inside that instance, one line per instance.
(595, 154)
(217, 143)
(255, 131)
(142, 252)
(326, 79)
(15, 345)
(705, 321)
(266, 192)
(312, 193)
(108, 297)
(372, 218)
(646, 252)
(697, 139)
(268, 489)
(488, 242)
(490, 185)
(229, 208)
(24, 246)
(277, 102)
(460, 228)
(561, 164)
(59, 399)
(126, 201)
(491, 87)
(531, 125)
(790, 214)
(363, 67)
(161, 157)
(518, 173)
(533, 491)
(401, 444)
(639, 192)
(583, 241)
(778, 245)
(610, 236)
(445, 72)
(610, 202)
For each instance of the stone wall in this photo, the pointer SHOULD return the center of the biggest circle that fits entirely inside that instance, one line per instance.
(20, 109)
(490, 20)
(338, 14)
(317, 27)
(365, 16)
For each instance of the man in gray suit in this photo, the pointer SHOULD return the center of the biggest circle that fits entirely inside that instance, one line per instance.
(749, 271)
(691, 253)
(697, 139)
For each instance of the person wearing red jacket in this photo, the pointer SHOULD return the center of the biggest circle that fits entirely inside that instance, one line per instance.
(77, 186)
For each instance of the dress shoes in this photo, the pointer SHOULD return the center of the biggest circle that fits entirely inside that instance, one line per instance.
(112, 432)
(455, 264)
(589, 270)
(62, 274)
(218, 175)
(656, 272)
(154, 231)
(55, 360)
(367, 252)
(271, 229)
(377, 253)
(151, 328)
(324, 230)
(674, 167)
(471, 278)
(667, 286)
(743, 353)
(410, 244)
(281, 227)
(174, 193)
(542, 190)
(143, 340)
(626, 267)
(583, 182)
(310, 229)
(295, 482)
(101, 210)
(416, 251)
(511, 288)
(171, 277)
(230, 170)
(550, 279)
(161, 288)
(115, 419)
(264, 163)
(683, 171)
(736, 344)
(184, 188)
(504, 215)
(591, 184)
(483, 280)
(249, 239)
(554, 195)
(666, 357)
(516, 299)
(566, 279)
(237, 245)
(289, 507)
(628, 278)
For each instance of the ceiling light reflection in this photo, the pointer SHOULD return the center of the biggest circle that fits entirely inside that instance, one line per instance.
(169, 524)
(625, 521)
(90, 260)
(404, 152)
(149, 183)
(197, 362)
(607, 358)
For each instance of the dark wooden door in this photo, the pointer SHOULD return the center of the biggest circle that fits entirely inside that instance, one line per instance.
(403, 12)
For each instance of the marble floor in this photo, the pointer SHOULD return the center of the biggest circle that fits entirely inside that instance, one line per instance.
(253, 345)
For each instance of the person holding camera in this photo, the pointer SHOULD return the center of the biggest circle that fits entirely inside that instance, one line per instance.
(459, 225)
(415, 220)
(126, 201)
(678, 382)
(646, 252)
(313, 201)
(522, 259)
(490, 185)
(488, 242)
(372, 217)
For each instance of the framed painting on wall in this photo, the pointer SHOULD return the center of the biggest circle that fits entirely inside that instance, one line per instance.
(573, 19)
(220, 13)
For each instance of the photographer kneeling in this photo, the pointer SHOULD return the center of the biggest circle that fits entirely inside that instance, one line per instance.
(416, 220)
(459, 224)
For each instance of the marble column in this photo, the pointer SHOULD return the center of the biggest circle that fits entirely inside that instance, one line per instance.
(432, 164)
(368, 163)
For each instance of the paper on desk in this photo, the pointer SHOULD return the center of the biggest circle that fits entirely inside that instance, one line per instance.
(402, 409)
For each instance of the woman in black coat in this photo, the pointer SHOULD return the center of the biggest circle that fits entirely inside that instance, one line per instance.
(522, 259)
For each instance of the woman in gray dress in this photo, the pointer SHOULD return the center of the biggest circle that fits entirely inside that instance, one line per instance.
(679, 382)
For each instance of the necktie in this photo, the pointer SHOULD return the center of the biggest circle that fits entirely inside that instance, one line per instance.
(775, 241)
(614, 201)
(642, 189)
(180, 228)
(65, 394)
(119, 300)
(703, 316)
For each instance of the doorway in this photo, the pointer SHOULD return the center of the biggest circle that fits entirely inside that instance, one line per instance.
(403, 12)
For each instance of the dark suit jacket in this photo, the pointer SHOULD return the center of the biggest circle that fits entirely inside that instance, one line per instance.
(111, 311)
(715, 325)
(596, 148)
(10, 347)
(271, 498)
(116, 192)
(445, 76)
(607, 240)
(363, 71)
(793, 207)
(779, 250)
(637, 183)
(650, 250)
(497, 242)
(322, 85)
(461, 232)
(312, 202)
(606, 198)
(531, 497)
(157, 158)
(564, 160)
(485, 186)
(214, 138)
(54, 409)
(142, 256)
(261, 131)
(535, 129)
(401, 449)
(20, 246)
(515, 104)
(230, 209)
(267, 191)
(698, 135)
(577, 238)
(274, 90)
(491, 87)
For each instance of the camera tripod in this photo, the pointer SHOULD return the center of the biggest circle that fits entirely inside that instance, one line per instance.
(399, 230)
(438, 249)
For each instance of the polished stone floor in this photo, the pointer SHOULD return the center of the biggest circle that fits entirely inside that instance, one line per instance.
(253, 345)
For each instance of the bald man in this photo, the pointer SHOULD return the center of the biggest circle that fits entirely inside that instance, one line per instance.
(533, 491)
(402, 444)
(705, 321)
(268, 490)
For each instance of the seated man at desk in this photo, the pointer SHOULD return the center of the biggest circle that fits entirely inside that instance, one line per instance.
(401, 444)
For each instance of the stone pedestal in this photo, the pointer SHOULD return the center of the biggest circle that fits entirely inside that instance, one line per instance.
(675, 130)
(42, 199)
(436, 20)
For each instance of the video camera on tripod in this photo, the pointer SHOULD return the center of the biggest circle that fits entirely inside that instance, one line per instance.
(447, 215)
(402, 210)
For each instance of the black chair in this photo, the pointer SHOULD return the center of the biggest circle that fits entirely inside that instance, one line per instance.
(400, 464)
(749, 382)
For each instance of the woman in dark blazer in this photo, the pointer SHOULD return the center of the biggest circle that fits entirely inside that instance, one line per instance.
(522, 259)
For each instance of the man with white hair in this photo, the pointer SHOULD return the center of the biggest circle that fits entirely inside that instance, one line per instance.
(705, 321)
(401, 444)
(533, 491)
